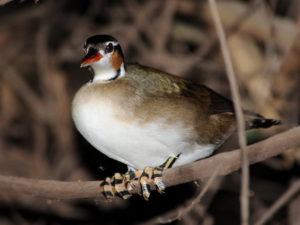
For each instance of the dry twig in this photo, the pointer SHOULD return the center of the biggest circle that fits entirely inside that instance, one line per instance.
(293, 189)
(239, 113)
(194, 202)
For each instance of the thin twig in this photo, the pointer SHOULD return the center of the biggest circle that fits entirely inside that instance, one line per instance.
(26, 93)
(229, 161)
(200, 209)
(195, 201)
(239, 113)
(281, 201)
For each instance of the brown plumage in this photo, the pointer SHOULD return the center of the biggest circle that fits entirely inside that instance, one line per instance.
(145, 117)
(151, 112)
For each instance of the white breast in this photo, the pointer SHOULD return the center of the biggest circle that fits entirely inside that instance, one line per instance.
(134, 144)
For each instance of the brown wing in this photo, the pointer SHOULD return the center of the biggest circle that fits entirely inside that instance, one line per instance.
(217, 107)
(159, 83)
(214, 102)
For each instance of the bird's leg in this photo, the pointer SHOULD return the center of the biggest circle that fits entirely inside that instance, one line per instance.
(122, 185)
(154, 175)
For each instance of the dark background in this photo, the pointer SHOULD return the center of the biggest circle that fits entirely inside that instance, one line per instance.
(41, 48)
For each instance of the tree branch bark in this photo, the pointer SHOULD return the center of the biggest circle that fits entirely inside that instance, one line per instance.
(229, 161)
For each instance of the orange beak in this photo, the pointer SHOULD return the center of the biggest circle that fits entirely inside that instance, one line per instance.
(91, 57)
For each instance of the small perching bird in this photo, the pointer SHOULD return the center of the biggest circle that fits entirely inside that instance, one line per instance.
(148, 119)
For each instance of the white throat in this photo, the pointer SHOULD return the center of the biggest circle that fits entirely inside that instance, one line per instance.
(104, 73)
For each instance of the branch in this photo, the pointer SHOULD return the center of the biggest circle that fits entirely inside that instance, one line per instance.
(186, 209)
(229, 161)
(241, 126)
(281, 201)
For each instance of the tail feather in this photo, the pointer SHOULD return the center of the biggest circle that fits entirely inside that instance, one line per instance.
(261, 122)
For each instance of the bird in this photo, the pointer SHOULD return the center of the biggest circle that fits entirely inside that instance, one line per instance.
(148, 119)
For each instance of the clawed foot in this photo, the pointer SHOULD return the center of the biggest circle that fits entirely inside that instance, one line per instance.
(117, 185)
(122, 185)
(150, 176)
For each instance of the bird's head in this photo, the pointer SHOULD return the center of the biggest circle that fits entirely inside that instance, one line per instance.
(104, 55)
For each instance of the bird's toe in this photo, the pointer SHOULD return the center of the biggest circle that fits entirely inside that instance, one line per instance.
(157, 179)
(119, 184)
(106, 188)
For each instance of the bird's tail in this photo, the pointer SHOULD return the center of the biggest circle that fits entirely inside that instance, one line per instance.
(264, 123)
(258, 121)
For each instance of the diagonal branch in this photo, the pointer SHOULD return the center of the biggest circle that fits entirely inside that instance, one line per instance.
(241, 127)
(229, 161)
(281, 201)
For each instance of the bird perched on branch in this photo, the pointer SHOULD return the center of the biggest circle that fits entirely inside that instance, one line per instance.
(148, 119)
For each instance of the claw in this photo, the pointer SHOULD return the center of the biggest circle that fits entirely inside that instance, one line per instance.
(145, 180)
(157, 179)
(122, 185)
(154, 175)
(129, 177)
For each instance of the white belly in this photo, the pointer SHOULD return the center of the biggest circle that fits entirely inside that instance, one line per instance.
(134, 144)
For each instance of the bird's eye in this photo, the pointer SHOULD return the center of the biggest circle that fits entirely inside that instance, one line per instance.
(109, 48)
